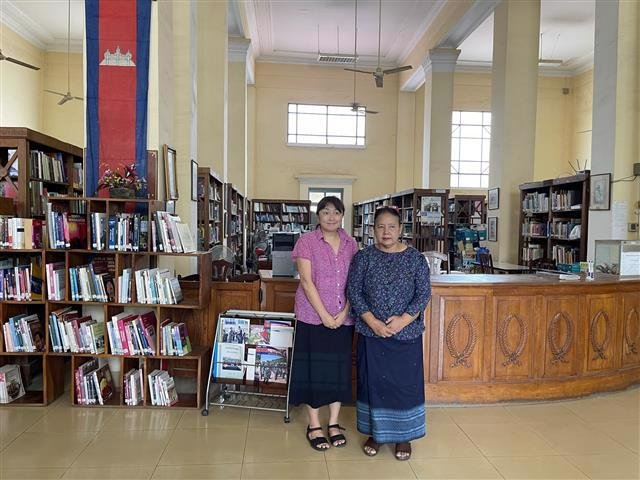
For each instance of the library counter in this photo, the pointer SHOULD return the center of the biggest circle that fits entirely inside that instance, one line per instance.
(519, 337)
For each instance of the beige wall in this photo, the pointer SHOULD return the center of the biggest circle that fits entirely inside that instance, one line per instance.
(582, 95)
(277, 164)
(66, 121)
(20, 88)
(237, 116)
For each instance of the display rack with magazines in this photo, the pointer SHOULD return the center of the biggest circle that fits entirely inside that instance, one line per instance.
(251, 361)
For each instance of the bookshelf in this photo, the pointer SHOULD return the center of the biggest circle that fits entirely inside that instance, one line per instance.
(363, 219)
(138, 221)
(425, 217)
(280, 215)
(210, 195)
(33, 165)
(465, 212)
(235, 217)
(554, 218)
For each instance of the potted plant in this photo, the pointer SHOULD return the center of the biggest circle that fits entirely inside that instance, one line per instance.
(122, 185)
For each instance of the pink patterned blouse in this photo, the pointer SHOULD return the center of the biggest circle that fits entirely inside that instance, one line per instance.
(328, 272)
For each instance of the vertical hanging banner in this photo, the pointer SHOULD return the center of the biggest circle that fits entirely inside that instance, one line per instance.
(117, 85)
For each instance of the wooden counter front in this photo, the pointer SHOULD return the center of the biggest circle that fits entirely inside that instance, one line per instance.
(519, 337)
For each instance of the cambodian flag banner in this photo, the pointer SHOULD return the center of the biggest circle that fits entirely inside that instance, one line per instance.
(117, 85)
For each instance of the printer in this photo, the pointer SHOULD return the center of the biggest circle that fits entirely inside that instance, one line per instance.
(282, 246)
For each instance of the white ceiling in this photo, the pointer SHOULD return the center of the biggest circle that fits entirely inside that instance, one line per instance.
(287, 30)
(567, 30)
(44, 22)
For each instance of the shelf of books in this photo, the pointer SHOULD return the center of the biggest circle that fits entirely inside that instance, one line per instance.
(210, 188)
(235, 212)
(34, 165)
(281, 215)
(251, 361)
(554, 221)
(105, 279)
(466, 227)
(363, 219)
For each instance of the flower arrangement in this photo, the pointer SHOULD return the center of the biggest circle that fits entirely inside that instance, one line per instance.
(112, 178)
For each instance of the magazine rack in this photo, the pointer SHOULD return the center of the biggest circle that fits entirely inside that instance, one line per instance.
(251, 361)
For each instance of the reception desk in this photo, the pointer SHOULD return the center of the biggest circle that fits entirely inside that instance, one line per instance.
(523, 337)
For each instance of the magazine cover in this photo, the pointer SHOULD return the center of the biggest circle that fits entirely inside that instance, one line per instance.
(271, 364)
(430, 210)
(280, 335)
(229, 361)
(258, 334)
(235, 330)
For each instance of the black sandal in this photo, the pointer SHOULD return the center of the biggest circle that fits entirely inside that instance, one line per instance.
(373, 445)
(336, 438)
(316, 442)
(403, 451)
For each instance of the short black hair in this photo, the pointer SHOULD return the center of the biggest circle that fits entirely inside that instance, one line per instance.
(390, 210)
(330, 200)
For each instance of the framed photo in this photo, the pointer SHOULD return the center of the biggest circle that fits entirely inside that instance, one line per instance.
(194, 181)
(493, 200)
(170, 173)
(600, 192)
(492, 229)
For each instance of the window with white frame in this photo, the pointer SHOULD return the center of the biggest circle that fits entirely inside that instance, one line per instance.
(470, 146)
(325, 125)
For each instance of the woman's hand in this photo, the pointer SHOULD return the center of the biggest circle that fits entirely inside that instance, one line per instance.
(395, 323)
(329, 321)
(382, 330)
(341, 316)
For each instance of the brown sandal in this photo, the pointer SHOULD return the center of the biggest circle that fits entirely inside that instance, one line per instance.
(403, 451)
(373, 446)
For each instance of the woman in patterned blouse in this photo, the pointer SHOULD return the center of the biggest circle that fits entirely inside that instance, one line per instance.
(321, 371)
(389, 288)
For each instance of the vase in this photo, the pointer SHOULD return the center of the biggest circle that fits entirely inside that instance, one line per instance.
(122, 192)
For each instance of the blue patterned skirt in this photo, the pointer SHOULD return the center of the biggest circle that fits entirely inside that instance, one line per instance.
(390, 405)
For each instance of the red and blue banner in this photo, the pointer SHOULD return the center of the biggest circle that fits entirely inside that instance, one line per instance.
(117, 85)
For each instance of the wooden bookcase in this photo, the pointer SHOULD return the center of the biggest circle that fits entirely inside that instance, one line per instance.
(425, 217)
(28, 171)
(363, 219)
(235, 217)
(464, 212)
(550, 210)
(210, 196)
(280, 215)
(189, 371)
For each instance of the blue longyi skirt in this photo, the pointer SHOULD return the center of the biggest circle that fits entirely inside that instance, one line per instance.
(390, 405)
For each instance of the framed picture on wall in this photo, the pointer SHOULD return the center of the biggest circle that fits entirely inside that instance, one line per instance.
(194, 181)
(600, 192)
(492, 229)
(493, 199)
(170, 173)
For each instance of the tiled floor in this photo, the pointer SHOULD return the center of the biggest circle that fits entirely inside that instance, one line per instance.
(596, 437)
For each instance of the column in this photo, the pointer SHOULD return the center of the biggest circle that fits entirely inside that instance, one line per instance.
(614, 141)
(212, 80)
(438, 67)
(516, 26)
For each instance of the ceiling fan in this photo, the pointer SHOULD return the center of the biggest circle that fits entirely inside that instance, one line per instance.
(355, 106)
(17, 62)
(378, 73)
(67, 96)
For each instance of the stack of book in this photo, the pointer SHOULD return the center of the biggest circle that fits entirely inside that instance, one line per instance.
(46, 166)
(132, 334)
(535, 202)
(20, 282)
(20, 233)
(69, 332)
(566, 200)
(65, 229)
(23, 333)
(170, 234)
(94, 384)
(124, 232)
(133, 387)
(175, 338)
(162, 389)
(532, 252)
(55, 273)
(90, 286)
(11, 387)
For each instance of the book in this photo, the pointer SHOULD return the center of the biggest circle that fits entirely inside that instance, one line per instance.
(230, 361)
(103, 383)
(235, 330)
(188, 244)
(280, 336)
(11, 387)
(258, 334)
(271, 364)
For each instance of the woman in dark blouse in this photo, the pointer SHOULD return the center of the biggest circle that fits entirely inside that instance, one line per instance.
(388, 287)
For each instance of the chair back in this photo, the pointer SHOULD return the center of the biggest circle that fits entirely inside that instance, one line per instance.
(220, 270)
(435, 259)
(486, 263)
